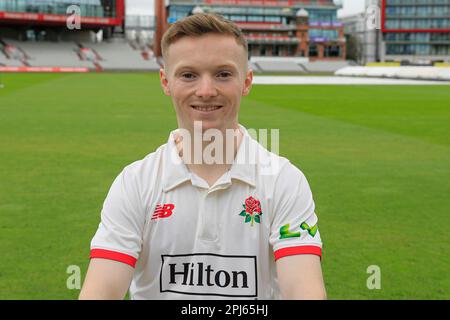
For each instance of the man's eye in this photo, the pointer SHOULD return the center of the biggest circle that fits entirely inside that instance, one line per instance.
(224, 74)
(188, 76)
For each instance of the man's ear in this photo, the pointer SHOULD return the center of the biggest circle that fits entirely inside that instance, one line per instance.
(164, 81)
(248, 82)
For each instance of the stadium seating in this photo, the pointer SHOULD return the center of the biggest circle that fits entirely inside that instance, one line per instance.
(296, 65)
(325, 66)
(51, 54)
(9, 62)
(121, 56)
(254, 67)
(277, 64)
(114, 56)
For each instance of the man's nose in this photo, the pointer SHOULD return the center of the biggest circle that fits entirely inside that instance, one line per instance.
(206, 88)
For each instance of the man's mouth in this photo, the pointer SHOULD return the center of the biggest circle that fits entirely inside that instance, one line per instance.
(206, 108)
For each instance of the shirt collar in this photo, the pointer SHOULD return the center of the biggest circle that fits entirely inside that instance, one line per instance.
(244, 164)
(175, 172)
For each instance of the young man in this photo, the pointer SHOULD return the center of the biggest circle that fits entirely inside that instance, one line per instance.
(176, 228)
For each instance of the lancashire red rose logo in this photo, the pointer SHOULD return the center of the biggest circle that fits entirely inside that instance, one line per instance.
(252, 211)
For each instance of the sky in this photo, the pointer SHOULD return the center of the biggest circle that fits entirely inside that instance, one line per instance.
(145, 7)
(351, 7)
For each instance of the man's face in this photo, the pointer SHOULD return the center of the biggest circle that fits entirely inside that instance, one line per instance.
(206, 77)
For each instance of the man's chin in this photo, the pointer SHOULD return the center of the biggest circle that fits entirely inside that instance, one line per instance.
(205, 125)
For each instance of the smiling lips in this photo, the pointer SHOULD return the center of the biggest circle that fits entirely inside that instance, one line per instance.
(206, 108)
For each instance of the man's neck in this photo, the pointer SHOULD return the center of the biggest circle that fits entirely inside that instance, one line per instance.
(213, 164)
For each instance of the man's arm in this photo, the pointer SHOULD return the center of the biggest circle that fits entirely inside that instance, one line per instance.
(300, 277)
(106, 280)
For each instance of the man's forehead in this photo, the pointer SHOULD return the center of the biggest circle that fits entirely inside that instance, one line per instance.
(191, 50)
(213, 39)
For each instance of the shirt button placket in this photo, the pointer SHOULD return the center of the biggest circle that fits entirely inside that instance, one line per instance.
(208, 214)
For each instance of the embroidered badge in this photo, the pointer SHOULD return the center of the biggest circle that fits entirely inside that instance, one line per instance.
(252, 211)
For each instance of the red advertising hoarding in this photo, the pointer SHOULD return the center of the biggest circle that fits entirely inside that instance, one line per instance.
(59, 19)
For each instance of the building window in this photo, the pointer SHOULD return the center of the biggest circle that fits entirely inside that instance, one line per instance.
(276, 51)
(272, 19)
(262, 51)
(237, 18)
(332, 51)
(255, 19)
(313, 51)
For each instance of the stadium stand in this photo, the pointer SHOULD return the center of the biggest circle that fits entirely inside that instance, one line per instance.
(297, 65)
(325, 66)
(12, 63)
(108, 56)
(121, 56)
(254, 67)
(118, 54)
(51, 54)
(2, 59)
(11, 55)
(144, 49)
(9, 62)
(278, 64)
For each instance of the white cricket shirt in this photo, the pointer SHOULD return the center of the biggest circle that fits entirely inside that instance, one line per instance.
(187, 240)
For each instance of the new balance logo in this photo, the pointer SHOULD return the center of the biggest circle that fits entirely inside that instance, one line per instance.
(163, 211)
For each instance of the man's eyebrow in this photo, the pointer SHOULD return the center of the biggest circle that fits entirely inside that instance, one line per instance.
(186, 66)
(227, 66)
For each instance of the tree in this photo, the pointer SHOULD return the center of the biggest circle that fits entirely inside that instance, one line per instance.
(354, 50)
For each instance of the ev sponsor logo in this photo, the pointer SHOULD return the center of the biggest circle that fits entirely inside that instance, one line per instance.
(285, 233)
(209, 274)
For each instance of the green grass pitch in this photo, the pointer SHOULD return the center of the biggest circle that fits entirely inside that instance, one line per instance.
(377, 159)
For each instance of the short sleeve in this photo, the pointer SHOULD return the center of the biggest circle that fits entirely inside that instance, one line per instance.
(119, 235)
(294, 228)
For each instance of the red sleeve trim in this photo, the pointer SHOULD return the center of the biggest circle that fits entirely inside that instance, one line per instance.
(291, 251)
(113, 255)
